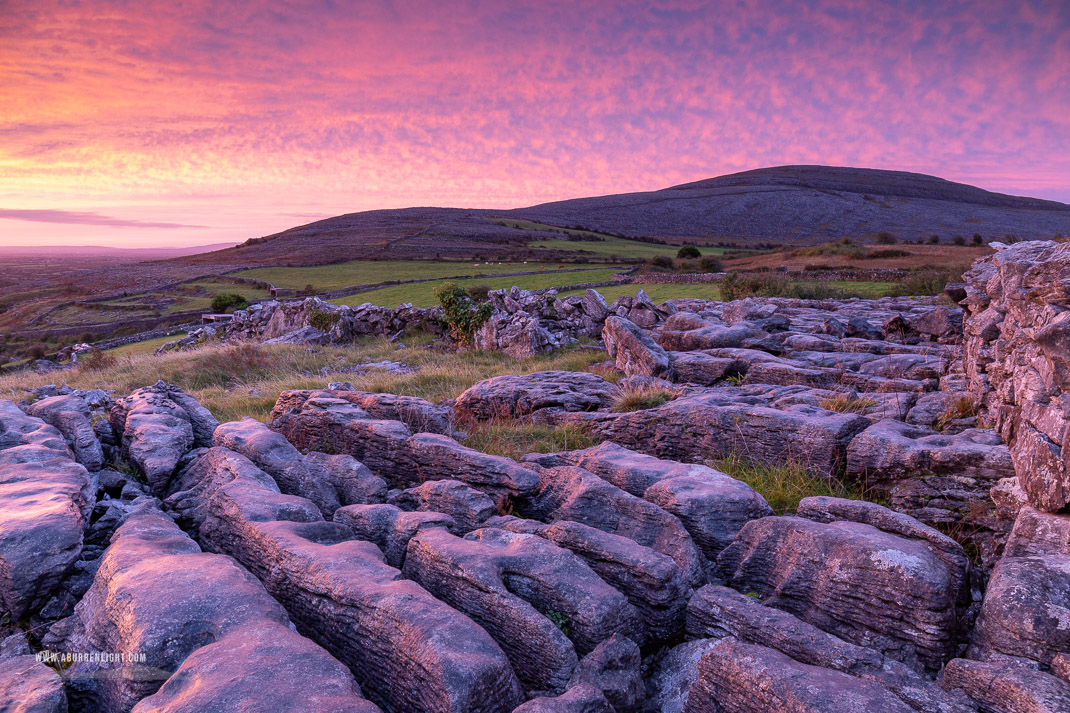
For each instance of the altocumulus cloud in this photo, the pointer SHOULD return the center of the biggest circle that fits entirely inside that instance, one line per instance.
(71, 217)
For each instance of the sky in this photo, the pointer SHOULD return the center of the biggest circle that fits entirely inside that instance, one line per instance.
(143, 123)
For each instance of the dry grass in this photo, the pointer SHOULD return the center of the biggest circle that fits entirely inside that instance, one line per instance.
(962, 407)
(514, 438)
(642, 398)
(844, 403)
(221, 376)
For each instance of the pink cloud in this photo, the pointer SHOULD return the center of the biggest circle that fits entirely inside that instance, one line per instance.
(240, 113)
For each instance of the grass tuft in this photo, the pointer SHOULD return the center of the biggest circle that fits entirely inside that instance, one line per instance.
(784, 485)
(844, 403)
(641, 398)
(962, 407)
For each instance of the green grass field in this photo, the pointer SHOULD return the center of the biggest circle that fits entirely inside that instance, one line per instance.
(422, 294)
(149, 346)
(658, 293)
(359, 272)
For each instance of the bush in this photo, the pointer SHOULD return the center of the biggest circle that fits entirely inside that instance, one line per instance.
(227, 301)
(688, 251)
(37, 351)
(711, 264)
(462, 315)
(886, 238)
(661, 261)
(889, 253)
(737, 286)
(977, 239)
(934, 239)
(959, 240)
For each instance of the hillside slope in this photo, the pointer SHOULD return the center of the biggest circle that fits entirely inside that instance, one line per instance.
(786, 204)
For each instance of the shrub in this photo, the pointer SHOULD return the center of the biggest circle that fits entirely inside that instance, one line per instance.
(711, 264)
(662, 261)
(227, 301)
(737, 286)
(977, 239)
(959, 240)
(37, 351)
(688, 251)
(925, 283)
(934, 239)
(462, 315)
(886, 238)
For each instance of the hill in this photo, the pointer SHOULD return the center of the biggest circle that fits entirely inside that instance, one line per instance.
(788, 205)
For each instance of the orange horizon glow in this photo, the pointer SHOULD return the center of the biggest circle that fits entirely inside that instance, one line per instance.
(147, 123)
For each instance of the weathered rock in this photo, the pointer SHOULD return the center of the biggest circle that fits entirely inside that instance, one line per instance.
(715, 424)
(408, 650)
(269, 670)
(159, 424)
(721, 612)
(273, 454)
(1007, 686)
(512, 584)
(1026, 609)
(156, 594)
(389, 527)
(354, 482)
(1037, 534)
(873, 588)
(702, 368)
(27, 686)
(744, 678)
(418, 414)
(580, 699)
(1016, 330)
(519, 395)
(652, 582)
(613, 667)
(669, 684)
(71, 417)
(570, 493)
(467, 507)
(390, 450)
(45, 502)
(711, 505)
(635, 351)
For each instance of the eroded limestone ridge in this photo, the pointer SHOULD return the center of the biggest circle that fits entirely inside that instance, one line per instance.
(354, 554)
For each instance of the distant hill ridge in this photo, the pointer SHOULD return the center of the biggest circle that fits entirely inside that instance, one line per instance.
(782, 205)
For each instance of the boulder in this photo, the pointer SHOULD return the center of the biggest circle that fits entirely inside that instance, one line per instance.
(711, 506)
(467, 507)
(1007, 686)
(743, 678)
(45, 502)
(571, 493)
(899, 595)
(541, 603)
(273, 454)
(28, 686)
(389, 527)
(651, 581)
(671, 680)
(157, 595)
(636, 353)
(613, 667)
(159, 424)
(518, 395)
(70, 415)
(409, 650)
(721, 612)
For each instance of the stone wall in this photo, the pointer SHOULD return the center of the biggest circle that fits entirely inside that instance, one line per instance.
(1018, 360)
